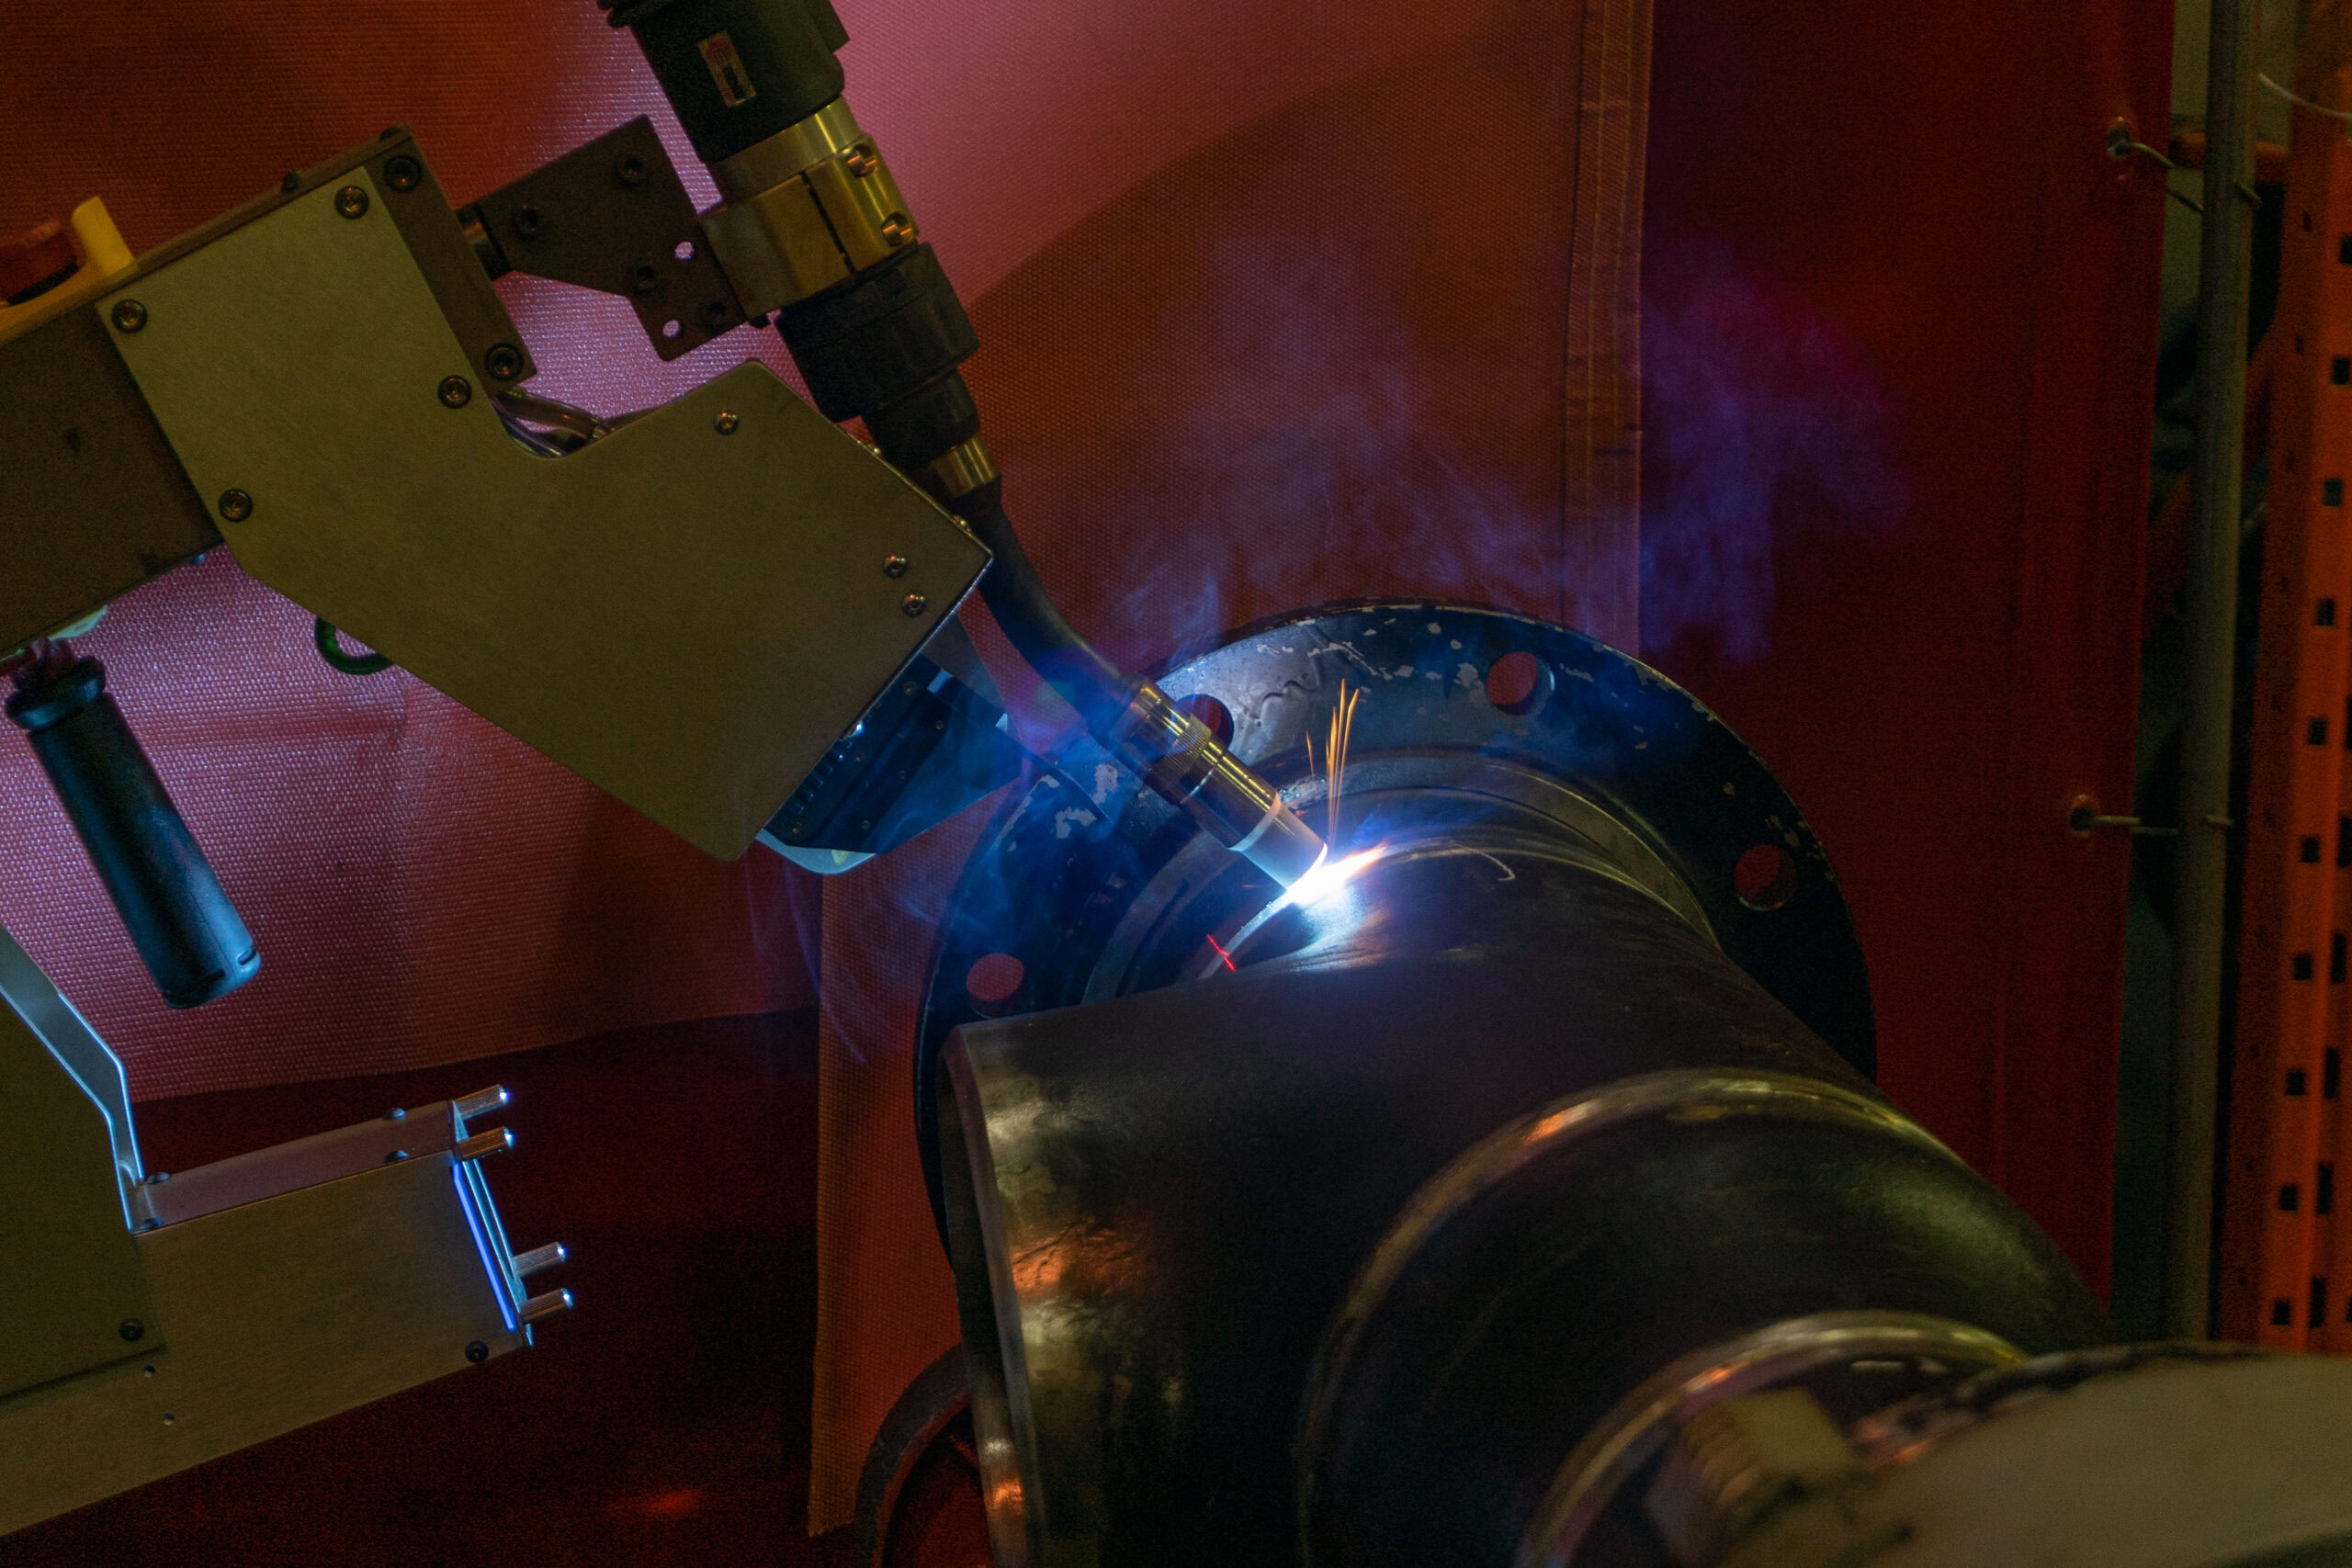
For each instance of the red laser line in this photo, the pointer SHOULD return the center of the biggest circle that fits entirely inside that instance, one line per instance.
(1222, 954)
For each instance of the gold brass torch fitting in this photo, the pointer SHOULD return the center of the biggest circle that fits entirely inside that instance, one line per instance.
(807, 207)
(958, 472)
(1177, 756)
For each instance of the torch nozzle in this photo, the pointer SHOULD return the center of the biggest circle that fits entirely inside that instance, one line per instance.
(1177, 756)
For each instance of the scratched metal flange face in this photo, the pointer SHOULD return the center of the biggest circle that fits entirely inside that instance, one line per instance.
(1090, 883)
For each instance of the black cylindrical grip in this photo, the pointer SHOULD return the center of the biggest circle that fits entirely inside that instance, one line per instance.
(183, 924)
(887, 334)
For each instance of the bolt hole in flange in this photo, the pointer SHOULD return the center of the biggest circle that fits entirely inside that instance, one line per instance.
(1765, 878)
(1518, 683)
(994, 983)
(1213, 715)
(1097, 902)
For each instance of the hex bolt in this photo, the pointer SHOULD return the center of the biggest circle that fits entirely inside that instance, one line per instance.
(629, 169)
(351, 202)
(526, 224)
(504, 361)
(403, 173)
(896, 566)
(726, 423)
(130, 315)
(235, 505)
(897, 229)
(643, 279)
(456, 391)
(913, 605)
(131, 1330)
(477, 1352)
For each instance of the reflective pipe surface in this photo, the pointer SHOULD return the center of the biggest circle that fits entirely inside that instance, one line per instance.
(1163, 1205)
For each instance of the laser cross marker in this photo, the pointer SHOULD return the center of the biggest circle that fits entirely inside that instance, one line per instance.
(814, 231)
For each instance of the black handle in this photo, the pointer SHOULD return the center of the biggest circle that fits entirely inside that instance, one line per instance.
(183, 924)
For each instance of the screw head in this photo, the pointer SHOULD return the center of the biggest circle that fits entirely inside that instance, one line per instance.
(715, 314)
(913, 605)
(895, 565)
(403, 173)
(131, 1330)
(477, 1352)
(235, 505)
(643, 279)
(526, 224)
(504, 361)
(860, 161)
(629, 169)
(351, 202)
(897, 229)
(726, 423)
(456, 391)
(290, 181)
(130, 315)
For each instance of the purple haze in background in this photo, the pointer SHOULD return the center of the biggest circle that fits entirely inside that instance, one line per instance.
(1761, 423)
(1325, 445)
(1312, 463)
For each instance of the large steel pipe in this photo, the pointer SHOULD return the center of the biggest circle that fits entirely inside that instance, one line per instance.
(1162, 1205)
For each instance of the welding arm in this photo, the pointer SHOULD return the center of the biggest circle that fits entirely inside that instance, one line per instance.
(813, 230)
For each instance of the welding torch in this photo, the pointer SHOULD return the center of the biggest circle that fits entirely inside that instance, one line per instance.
(813, 232)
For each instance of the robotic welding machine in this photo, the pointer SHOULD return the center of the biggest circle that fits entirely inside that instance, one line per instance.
(1504, 1185)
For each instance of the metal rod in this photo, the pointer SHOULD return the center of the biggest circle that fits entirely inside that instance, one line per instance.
(2199, 915)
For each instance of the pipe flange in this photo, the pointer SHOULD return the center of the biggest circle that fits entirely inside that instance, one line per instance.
(1050, 896)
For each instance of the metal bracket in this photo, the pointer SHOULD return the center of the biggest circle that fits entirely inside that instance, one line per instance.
(612, 215)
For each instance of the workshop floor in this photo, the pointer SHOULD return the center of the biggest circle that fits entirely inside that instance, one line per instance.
(665, 1421)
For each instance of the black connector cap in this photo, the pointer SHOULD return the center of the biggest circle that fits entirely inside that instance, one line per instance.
(737, 72)
(931, 423)
(189, 935)
(880, 337)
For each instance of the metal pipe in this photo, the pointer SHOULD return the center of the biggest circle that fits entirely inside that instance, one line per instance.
(1228, 1275)
(2199, 913)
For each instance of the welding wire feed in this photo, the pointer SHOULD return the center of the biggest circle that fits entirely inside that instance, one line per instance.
(1011, 588)
(1172, 751)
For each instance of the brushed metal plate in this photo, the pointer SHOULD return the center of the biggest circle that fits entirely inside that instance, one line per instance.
(70, 1272)
(686, 618)
(274, 1314)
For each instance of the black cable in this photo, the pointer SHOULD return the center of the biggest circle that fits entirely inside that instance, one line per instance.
(1035, 625)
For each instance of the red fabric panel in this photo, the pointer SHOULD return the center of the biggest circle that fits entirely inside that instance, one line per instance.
(1931, 633)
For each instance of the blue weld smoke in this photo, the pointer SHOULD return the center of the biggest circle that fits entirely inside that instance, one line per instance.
(1763, 425)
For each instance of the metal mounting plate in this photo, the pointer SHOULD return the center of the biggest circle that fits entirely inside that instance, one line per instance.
(688, 612)
(612, 215)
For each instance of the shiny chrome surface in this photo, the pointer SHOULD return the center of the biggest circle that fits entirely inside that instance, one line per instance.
(2182, 1456)
(1644, 1421)
(266, 1316)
